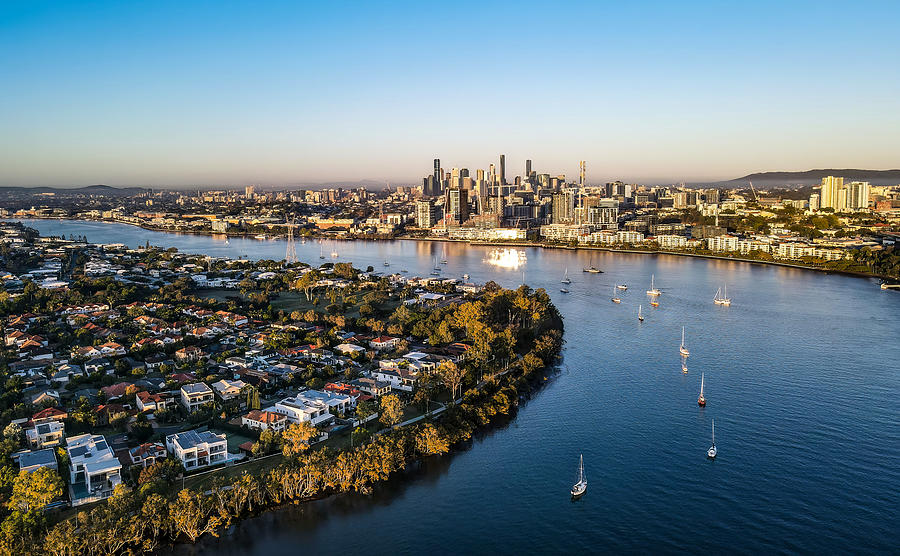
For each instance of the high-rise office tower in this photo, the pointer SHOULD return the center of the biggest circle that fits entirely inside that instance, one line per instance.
(502, 169)
(437, 170)
(581, 170)
(479, 174)
(527, 168)
(248, 191)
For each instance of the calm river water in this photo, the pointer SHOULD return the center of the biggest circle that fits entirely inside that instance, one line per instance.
(802, 378)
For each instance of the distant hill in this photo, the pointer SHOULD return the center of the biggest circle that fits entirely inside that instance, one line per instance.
(768, 180)
(106, 190)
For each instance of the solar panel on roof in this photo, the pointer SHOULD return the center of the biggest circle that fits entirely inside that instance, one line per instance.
(102, 446)
(78, 451)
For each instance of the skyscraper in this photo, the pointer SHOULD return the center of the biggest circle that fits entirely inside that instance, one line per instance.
(527, 169)
(829, 196)
(437, 171)
(502, 169)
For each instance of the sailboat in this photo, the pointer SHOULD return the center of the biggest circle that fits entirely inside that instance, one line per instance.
(652, 291)
(321, 254)
(580, 487)
(683, 350)
(444, 256)
(592, 269)
(722, 299)
(712, 452)
(622, 287)
(563, 290)
(640, 315)
(701, 401)
(683, 367)
(615, 297)
(565, 279)
(226, 241)
(387, 263)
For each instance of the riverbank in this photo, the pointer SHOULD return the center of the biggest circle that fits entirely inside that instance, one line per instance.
(157, 513)
(508, 244)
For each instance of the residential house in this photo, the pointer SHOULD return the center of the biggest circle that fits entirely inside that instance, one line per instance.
(189, 353)
(147, 454)
(198, 449)
(195, 395)
(94, 469)
(45, 435)
(372, 386)
(152, 403)
(399, 378)
(228, 390)
(35, 459)
(384, 343)
(264, 420)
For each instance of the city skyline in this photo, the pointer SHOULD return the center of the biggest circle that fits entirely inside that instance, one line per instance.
(177, 96)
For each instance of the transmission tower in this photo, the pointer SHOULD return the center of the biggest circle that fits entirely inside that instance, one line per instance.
(290, 253)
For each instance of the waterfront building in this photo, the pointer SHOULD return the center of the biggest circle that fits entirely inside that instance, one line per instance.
(667, 241)
(458, 207)
(426, 213)
(198, 449)
(722, 243)
(566, 232)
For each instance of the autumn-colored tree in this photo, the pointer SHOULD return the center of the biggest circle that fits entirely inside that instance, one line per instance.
(191, 515)
(429, 441)
(32, 490)
(391, 410)
(451, 375)
(296, 438)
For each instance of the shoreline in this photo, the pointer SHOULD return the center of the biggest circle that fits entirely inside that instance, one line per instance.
(524, 244)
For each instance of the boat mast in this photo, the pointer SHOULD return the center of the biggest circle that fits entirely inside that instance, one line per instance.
(701, 385)
(714, 431)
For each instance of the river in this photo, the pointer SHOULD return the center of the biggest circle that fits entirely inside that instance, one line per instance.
(802, 377)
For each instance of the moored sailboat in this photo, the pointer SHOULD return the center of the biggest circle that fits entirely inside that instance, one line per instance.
(565, 279)
(615, 297)
(640, 315)
(722, 299)
(713, 451)
(683, 350)
(580, 487)
(653, 291)
(701, 401)
(592, 269)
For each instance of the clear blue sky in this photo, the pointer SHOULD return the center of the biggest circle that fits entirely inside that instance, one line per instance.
(180, 93)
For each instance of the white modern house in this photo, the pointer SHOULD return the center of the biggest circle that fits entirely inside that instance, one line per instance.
(195, 395)
(400, 378)
(312, 406)
(45, 435)
(94, 470)
(197, 450)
